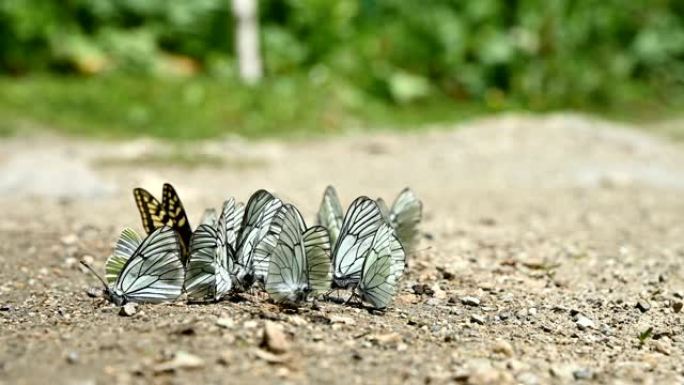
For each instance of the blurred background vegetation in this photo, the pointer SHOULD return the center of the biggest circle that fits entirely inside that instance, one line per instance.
(167, 68)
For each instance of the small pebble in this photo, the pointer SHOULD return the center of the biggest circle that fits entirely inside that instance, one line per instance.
(274, 338)
(72, 357)
(470, 301)
(583, 374)
(584, 322)
(503, 347)
(478, 319)
(128, 310)
(180, 360)
(69, 240)
(225, 323)
(677, 306)
(643, 306)
(94, 292)
(225, 357)
(661, 347)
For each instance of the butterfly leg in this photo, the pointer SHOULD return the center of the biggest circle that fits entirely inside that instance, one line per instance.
(352, 296)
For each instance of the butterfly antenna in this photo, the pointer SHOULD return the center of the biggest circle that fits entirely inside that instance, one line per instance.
(87, 266)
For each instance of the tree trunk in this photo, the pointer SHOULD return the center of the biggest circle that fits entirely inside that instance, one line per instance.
(247, 40)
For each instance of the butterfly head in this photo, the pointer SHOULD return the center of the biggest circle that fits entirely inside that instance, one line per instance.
(112, 295)
(117, 297)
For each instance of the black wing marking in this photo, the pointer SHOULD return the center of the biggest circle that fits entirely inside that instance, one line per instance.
(177, 218)
(151, 211)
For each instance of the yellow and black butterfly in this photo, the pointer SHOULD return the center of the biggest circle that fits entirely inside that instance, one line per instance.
(169, 212)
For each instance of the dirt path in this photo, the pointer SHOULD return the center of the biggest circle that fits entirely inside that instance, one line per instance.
(568, 233)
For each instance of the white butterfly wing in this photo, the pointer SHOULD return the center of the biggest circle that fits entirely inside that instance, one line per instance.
(232, 214)
(256, 246)
(208, 277)
(248, 234)
(317, 247)
(405, 217)
(360, 224)
(330, 214)
(125, 247)
(382, 269)
(154, 273)
(287, 269)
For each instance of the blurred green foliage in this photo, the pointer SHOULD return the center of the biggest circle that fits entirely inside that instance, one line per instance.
(537, 54)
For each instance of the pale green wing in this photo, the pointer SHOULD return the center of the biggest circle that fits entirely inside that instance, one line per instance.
(382, 269)
(330, 214)
(125, 247)
(317, 248)
(287, 270)
(405, 216)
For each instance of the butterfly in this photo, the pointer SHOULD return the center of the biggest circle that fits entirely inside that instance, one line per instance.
(383, 265)
(150, 269)
(404, 216)
(168, 212)
(299, 264)
(256, 238)
(211, 263)
(362, 220)
(330, 214)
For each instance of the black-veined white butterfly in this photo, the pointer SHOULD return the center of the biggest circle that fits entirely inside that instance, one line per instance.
(211, 265)
(169, 212)
(404, 216)
(299, 264)
(330, 214)
(257, 237)
(383, 265)
(151, 272)
(362, 220)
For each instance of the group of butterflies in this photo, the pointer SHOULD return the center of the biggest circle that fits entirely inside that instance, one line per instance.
(265, 243)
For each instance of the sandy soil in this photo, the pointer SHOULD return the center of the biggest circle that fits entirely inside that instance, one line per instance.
(568, 234)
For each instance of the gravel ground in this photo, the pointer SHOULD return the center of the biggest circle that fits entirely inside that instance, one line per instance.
(552, 253)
